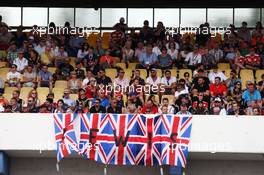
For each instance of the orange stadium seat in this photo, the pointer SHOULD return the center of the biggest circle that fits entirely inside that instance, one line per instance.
(111, 73)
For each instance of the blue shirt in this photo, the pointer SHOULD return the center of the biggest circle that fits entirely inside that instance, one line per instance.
(45, 76)
(249, 97)
(104, 102)
(148, 59)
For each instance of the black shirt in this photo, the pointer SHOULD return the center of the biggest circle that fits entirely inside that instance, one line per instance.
(116, 110)
(104, 81)
(100, 110)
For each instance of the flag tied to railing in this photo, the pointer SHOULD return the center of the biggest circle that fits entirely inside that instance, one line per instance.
(125, 139)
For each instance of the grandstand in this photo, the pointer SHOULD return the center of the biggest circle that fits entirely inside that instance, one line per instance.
(184, 61)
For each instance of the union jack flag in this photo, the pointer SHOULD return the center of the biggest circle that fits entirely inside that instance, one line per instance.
(135, 139)
(65, 135)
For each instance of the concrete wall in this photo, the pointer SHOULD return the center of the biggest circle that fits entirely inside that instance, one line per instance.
(46, 166)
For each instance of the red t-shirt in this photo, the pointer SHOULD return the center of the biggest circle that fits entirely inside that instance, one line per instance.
(218, 90)
(253, 59)
(205, 104)
(108, 59)
(153, 110)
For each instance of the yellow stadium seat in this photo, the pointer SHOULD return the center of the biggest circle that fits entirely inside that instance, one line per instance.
(132, 65)
(24, 92)
(143, 73)
(182, 71)
(223, 66)
(121, 65)
(170, 98)
(42, 93)
(111, 73)
(159, 72)
(8, 92)
(173, 72)
(58, 93)
(246, 75)
(226, 72)
(3, 72)
(61, 84)
(259, 73)
(128, 73)
(52, 69)
(3, 64)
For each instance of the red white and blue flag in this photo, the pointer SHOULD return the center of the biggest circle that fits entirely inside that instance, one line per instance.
(65, 135)
(135, 139)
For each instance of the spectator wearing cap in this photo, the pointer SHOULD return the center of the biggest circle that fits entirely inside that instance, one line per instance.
(67, 99)
(40, 48)
(193, 58)
(45, 77)
(253, 60)
(13, 77)
(164, 59)
(20, 61)
(97, 108)
(230, 82)
(183, 110)
(251, 94)
(147, 59)
(74, 83)
(218, 89)
(217, 107)
(149, 108)
(12, 53)
(169, 82)
(215, 73)
(153, 79)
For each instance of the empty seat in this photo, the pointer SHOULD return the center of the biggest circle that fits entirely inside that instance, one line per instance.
(259, 73)
(223, 66)
(74, 97)
(128, 73)
(52, 69)
(132, 65)
(61, 84)
(246, 75)
(121, 65)
(58, 93)
(159, 73)
(3, 72)
(3, 64)
(24, 92)
(42, 93)
(8, 92)
(173, 72)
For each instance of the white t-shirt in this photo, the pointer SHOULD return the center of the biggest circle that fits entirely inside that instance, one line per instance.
(10, 76)
(167, 82)
(40, 49)
(122, 82)
(153, 82)
(220, 74)
(21, 63)
(81, 54)
(193, 59)
(173, 54)
(177, 93)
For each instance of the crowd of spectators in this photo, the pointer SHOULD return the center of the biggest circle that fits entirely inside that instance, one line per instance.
(206, 90)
